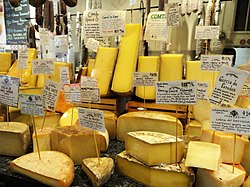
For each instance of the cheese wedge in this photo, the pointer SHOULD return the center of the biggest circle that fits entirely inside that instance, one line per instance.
(247, 182)
(14, 138)
(223, 177)
(69, 117)
(127, 60)
(193, 129)
(158, 176)
(77, 142)
(91, 63)
(147, 121)
(203, 155)
(202, 110)
(104, 67)
(6, 60)
(54, 168)
(171, 67)
(44, 139)
(98, 170)
(147, 64)
(154, 148)
(226, 141)
(62, 104)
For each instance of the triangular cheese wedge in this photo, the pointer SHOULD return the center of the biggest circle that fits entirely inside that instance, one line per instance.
(99, 173)
(54, 169)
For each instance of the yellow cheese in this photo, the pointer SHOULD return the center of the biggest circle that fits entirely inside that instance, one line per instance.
(154, 148)
(14, 138)
(223, 177)
(54, 168)
(246, 157)
(30, 90)
(5, 61)
(56, 76)
(3, 73)
(202, 110)
(226, 141)
(98, 170)
(110, 121)
(32, 54)
(44, 140)
(41, 81)
(77, 142)
(157, 176)
(104, 67)
(147, 121)
(193, 129)
(147, 64)
(243, 101)
(203, 155)
(247, 182)
(91, 63)
(171, 67)
(127, 59)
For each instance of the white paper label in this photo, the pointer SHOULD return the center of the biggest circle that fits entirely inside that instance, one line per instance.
(31, 104)
(231, 120)
(173, 14)
(64, 75)
(202, 91)
(9, 89)
(22, 58)
(61, 46)
(215, 62)
(228, 86)
(88, 82)
(207, 32)
(90, 94)
(156, 28)
(91, 118)
(72, 92)
(44, 36)
(145, 78)
(112, 23)
(43, 66)
(176, 92)
(93, 44)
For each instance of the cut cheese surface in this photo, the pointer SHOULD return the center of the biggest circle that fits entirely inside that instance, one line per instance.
(5, 61)
(246, 156)
(154, 148)
(104, 67)
(202, 110)
(193, 129)
(127, 59)
(91, 63)
(223, 177)
(147, 64)
(158, 176)
(54, 168)
(14, 138)
(110, 121)
(147, 121)
(69, 117)
(171, 67)
(203, 155)
(44, 140)
(98, 170)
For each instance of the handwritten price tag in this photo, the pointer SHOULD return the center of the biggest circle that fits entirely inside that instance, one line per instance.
(90, 94)
(88, 82)
(215, 62)
(31, 104)
(145, 79)
(72, 92)
(207, 32)
(43, 66)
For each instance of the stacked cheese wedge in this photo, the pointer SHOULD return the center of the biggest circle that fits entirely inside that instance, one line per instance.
(152, 159)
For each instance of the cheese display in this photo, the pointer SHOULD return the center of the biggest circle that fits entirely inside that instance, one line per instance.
(193, 129)
(246, 156)
(158, 176)
(91, 63)
(201, 110)
(170, 62)
(126, 60)
(54, 168)
(147, 64)
(98, 170)
(223, 177)
(44, 140)
(77, 142)
(5, 61)
(104, 63)
(14, 138)
(147, 121)
(226, 141)
(154, 148)
(203, 155)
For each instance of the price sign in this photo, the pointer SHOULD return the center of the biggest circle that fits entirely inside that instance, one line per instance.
(72, 92)
(215, 62)
(176, 92)
(145, 78)
(231, 120)
(93, 44)
(207, 32)
(22, 58)
(61, 46)
(44, 36)
(31, 104)
(202, 90)
(88, 82)
(43, 66)
(173, 14)
(91, 118)
(64, 75)
(90, 94)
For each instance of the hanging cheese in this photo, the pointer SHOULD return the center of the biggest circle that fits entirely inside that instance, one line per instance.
(193, 129)
(147, 64)
(171, 67)
(104, 67)
(5, 61)
(147, 121)
(91, 63)
(127, 60)
(154, 148)
(44, 140)
(157, 176)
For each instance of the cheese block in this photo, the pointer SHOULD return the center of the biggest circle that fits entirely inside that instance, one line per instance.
(54, 168)
(247, 182)
(5, 61)
(171, 67)
(147, 121)
(147, 64)
(157, 176)
(30, 90)
(32, 54)
(77, 142)
(68, 119)
(44, 140)
(243, 101)
(104, 67)
(226, 141)
(246, 156)
(205, 124)
(154, 148)
(14, 138)
(41, 80)
(56, 76)
(203, 155)
(91, 63)
(62, 104)
(193, 129)
(202, 110)
(127, 60)
(223, 177)
(98, 170)
(110, 122)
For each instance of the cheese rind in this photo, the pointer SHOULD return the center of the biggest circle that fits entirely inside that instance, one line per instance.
(54, 168)
(158, 176)
(154, 148)
(147, 121)
(202, 110)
